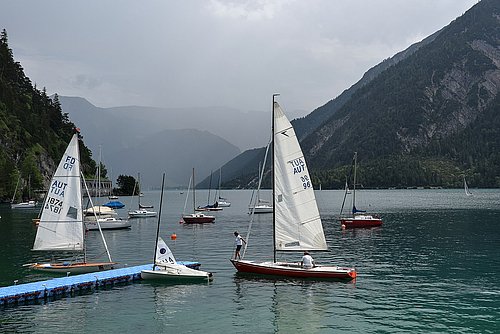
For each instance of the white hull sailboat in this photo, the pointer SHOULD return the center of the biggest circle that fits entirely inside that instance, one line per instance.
(23, 205)
(104, 217)
(260, 205)
(296, 221)
(221, 201)
(142, 211)
(61, 226)
(165, 267)
(108, 223)
(28, 204)
(261, 208)
(196, 217)
(466, 188)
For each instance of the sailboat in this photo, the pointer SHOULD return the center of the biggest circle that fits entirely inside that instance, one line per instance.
(196, 217)
(260, 205)
(21, 205)
(209, 207)
(359, 218)
(466, 188)
(142, 211)
(221, 201)
(165, 267)
(296, 221)
(103, 217)
(61, 226)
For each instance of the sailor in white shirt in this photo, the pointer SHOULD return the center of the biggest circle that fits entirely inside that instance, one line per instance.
(307, 261)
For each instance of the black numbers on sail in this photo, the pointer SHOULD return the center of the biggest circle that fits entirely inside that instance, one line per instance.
(306, 183)
(54, 205)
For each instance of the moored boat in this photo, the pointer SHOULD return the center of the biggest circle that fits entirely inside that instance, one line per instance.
(359, 218)
(196, 217)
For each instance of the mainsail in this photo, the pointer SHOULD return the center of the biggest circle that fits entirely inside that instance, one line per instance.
(61, 222)
(297, 221)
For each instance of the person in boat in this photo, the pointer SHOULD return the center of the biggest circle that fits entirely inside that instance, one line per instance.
(239, 243)
(307, 261)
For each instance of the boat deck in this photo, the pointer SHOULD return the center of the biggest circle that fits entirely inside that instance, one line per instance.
(48, 289)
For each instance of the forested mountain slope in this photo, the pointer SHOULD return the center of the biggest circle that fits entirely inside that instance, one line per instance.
(427, 117)
(33, 130)
(427, 120)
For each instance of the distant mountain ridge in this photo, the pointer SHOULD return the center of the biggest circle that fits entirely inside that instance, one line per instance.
(134, 142)
(427, 117)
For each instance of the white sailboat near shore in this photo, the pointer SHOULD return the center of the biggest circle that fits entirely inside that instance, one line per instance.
(466, 188)
(61, 226)
(142, 210)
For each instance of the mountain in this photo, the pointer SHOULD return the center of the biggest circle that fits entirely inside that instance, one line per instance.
(425, 118)
(174, 152)
(34, 132)
(134, 139)
(139, 121)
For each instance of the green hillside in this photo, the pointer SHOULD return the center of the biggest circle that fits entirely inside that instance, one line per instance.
(428, 120)
(425, 117)
(33, 130)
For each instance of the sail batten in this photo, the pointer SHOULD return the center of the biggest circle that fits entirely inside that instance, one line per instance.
(297, 221)
(61, 221)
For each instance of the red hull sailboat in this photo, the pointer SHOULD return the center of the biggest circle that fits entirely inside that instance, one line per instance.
(359, 218)
(296, 221)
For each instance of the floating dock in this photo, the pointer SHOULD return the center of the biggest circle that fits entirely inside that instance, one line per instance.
(70, 285)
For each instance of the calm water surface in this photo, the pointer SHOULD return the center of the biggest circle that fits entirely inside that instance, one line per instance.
(433, 267)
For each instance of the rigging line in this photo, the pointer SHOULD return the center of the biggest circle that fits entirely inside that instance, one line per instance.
(159, 218)
(97, 220)
(187, 195)
(256, 201)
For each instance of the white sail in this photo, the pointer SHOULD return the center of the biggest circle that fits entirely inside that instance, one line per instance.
(163, 253)
(297, 221)
(466, 188)
(61, 222)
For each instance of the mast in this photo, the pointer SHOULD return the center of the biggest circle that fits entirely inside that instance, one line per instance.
(194, 194)
(209, 188)
(217, 197)
(273, 184)
(354, 184)
(159, 217)
(138, 190)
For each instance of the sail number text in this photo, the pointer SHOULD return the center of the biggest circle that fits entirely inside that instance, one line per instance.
(299, 166)
(54, 205)
(68, 164)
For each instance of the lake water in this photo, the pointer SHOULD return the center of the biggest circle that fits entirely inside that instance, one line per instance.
(433, 267)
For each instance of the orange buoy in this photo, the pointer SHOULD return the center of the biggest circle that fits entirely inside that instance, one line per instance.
(173, 236)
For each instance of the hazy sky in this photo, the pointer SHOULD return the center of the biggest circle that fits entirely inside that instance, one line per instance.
(213, 53)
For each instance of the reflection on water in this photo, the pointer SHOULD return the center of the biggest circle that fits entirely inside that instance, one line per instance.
(432, 267)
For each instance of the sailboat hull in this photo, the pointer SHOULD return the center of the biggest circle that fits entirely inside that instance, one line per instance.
(176, 273)
(287, 269)
(261, 209)
(107, 224)
(73, 268)
(198, 218)
(30, 204)
(142, 213)
(360, 222)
